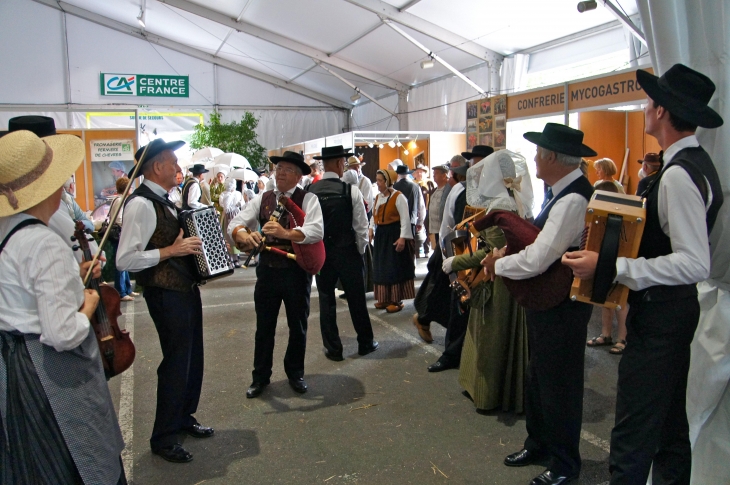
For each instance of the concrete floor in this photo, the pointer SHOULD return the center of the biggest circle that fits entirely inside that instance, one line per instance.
(378, 419)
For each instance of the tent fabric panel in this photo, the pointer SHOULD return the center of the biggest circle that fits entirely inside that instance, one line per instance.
(320, 80)
(238, 89)
(371, 117)
(598, 45)
(22, 80)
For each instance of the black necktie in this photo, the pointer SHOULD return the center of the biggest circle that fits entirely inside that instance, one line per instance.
(548, 197)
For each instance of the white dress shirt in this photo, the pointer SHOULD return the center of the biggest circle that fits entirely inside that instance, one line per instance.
(194, 195)
(448, 221)
(401, 204)
(562, 230)
(366, 189)
(313, 227)
(62, 224)
(139, 225)
(682, 215)
(40, 288)
(176, 196)
(359, 216)
(434, 213)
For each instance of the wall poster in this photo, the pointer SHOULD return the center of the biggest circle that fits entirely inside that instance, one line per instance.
(486, 122)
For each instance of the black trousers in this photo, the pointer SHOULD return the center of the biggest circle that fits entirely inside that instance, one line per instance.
(433, 300)
(554, 387)
(178, 318)
(292, 286)
(455, 332)
(651, 416)
(347, 265)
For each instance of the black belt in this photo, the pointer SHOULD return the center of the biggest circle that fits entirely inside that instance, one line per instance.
(662, 293)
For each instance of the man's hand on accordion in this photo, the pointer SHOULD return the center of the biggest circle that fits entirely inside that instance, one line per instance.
(583, 263)
(246, 241)
(182, 247)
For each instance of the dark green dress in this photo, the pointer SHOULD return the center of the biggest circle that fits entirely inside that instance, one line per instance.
(494, 357)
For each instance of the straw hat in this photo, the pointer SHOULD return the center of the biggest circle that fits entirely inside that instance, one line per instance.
(32, 169)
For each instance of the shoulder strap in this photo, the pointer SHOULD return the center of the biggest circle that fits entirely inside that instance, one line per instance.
(21, 225)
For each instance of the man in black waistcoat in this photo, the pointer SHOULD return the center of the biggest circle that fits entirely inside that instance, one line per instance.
(458, 316)
(412, 193)
(345, 238)
(277, 277)
(682, 204)
(556, 337)
(151, 244)
(191, 191)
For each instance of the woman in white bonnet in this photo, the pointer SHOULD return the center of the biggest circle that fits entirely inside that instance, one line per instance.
(494, 356)
(230, 202)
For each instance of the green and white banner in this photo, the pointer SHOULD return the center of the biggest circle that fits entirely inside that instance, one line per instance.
(144, 85)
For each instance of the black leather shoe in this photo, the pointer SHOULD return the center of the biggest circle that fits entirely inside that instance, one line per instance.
(255, 389)
(336, 356)
(174, 453)
(366, 349)
(441, 366)
(521, 458)
(198, 431)
(298, 385)
(549, 478)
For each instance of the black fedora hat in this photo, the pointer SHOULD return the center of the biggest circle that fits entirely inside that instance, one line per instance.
(155, 148)
(333, 152)
(461, 169)
(684, 92)
(198, 168)
(478, 151)
(40, 125)
(561, 139)
(295, 158)
(403, 170)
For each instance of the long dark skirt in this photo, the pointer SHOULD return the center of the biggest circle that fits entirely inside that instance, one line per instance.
(389, 266)
(434, 296)
(36, 452)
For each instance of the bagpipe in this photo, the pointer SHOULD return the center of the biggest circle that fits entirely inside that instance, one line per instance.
(309, 257)
(465, 240)
(540, 292)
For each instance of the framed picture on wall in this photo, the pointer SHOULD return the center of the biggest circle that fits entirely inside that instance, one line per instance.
(419, 158)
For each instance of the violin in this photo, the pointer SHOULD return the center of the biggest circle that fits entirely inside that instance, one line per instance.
(115, 346)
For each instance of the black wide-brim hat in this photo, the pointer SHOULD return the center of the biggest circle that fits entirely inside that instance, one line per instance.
(478, 151)
(684, 92)
(295, 158)
(403, 170)
(561, 139)
(155, 148)
(336, 151)
(40, 125)
(198, 168)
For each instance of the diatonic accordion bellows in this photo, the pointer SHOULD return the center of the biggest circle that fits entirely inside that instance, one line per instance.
(214, 262)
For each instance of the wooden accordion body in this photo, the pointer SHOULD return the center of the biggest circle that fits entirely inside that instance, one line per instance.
(214, 262)
(614, 226)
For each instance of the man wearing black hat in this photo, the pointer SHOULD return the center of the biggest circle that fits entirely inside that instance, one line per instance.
(412, 193)
(554, 387)
(345, 238)
(458, 318)
(478, 153)
(191, 191)
(279, 278)
(682, 204)
(151, 244)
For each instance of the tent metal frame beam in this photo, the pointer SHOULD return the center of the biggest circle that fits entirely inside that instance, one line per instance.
(123, 108)
(192, 52)
(635, 31)
(285, 42)
(359, 37)
(357, 90)
(408, 5)
(389, 12)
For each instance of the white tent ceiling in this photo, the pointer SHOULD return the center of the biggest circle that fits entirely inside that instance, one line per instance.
(284, 38)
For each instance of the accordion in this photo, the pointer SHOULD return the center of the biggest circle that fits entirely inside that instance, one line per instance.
(214, 262)
(614, 226)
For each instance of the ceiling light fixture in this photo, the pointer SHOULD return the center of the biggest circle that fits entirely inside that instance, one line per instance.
(588, 5)
(399, 144)
(427, 64)
(370, 145)
(355, 97)
(405, 152)
(141, 17)
(380, 146)
(391, 144)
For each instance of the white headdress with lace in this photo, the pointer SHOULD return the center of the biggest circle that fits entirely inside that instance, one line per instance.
(500, 181)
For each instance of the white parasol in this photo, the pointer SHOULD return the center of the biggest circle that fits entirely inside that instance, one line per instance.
(246, 174)
(232, 160)
(205, 153)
